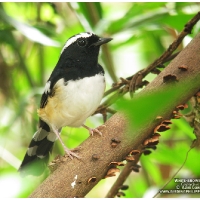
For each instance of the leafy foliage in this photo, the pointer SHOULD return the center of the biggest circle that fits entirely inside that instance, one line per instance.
(31, 37)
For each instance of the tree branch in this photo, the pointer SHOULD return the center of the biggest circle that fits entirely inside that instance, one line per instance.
(75, 178)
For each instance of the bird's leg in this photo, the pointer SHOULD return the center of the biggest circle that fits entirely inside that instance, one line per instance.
(92, 130)
(67, 151)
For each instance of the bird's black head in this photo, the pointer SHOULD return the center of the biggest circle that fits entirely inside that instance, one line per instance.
(82, 50)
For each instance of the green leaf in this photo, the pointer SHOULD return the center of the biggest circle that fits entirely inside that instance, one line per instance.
(92, 12)
(28, 31)
(176, 21)
(135, 22)
(144, 108)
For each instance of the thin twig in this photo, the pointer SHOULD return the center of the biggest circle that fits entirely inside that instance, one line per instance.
(176, 172)
(187, 30)
(136, 80)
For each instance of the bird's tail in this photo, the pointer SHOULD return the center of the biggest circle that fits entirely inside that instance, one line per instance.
(37, 155)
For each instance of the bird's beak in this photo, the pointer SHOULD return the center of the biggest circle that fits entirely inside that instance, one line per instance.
(101, 41)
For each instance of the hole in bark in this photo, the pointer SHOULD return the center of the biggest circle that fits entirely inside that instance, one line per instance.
(92, 179)
(169, 78)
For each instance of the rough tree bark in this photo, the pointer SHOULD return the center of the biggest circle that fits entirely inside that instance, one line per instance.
(75, 178)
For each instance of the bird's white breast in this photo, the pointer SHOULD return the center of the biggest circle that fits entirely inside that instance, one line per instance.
(73, 101)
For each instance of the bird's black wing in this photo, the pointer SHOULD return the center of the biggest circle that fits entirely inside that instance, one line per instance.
(68, 73)
(55, 76)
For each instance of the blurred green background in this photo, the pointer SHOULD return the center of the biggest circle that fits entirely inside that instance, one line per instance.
(31, 38)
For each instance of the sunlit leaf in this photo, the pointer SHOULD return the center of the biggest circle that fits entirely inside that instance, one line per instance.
(29, 31)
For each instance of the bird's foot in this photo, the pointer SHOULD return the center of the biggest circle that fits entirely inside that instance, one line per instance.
(71, 154)
(93, 130)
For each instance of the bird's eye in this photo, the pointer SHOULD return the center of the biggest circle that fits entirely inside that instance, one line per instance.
(82, 42)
